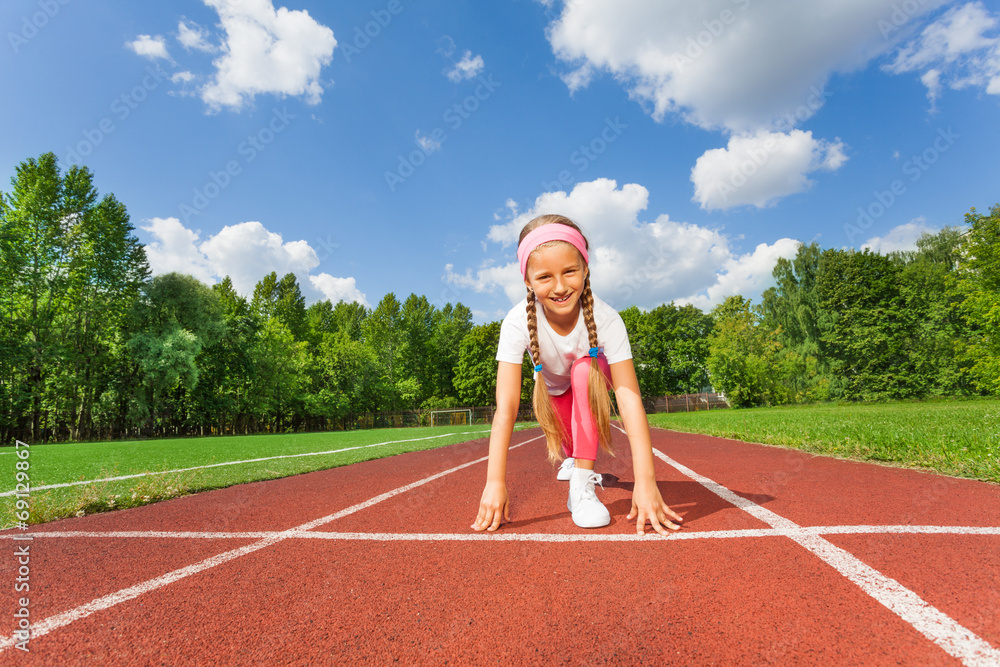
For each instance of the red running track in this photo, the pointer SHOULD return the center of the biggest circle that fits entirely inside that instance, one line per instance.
(785, 558)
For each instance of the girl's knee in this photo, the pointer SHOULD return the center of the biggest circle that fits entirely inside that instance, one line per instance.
(580, 371)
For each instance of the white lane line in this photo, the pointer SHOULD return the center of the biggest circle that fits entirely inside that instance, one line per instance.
(65, 618)
(234, 463)
(941, 629)
(806, 531)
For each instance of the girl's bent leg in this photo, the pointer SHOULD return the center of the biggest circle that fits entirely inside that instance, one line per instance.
(563, 407)
(584, 428)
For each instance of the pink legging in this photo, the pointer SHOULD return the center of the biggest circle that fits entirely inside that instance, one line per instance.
(573, 408)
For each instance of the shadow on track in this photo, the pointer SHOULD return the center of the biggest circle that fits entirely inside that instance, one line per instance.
(698, 501)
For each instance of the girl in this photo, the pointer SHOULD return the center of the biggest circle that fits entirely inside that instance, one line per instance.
(579, 347)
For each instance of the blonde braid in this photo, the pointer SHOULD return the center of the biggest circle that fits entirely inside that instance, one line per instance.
(597, 384)
(541, 400)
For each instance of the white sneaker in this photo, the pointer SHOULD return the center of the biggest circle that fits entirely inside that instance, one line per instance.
(588, 511)
(566, 469)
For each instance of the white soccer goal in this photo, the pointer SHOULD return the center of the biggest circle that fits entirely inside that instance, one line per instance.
(453, 420)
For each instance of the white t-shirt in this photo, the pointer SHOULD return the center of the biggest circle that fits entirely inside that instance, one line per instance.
(559, 352)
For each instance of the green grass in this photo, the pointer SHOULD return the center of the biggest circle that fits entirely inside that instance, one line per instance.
(954, 437)
(70, 462)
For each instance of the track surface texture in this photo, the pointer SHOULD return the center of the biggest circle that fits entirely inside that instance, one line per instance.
(784, 558)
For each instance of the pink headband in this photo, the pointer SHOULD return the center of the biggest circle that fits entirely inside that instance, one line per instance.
(553, 231)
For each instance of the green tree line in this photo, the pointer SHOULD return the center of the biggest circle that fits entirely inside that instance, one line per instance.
(93, 347)
(862, 326)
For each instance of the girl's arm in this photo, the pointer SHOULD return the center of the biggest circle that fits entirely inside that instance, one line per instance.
(493, 507)
(647, 503)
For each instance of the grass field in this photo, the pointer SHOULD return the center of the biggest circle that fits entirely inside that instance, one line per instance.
(300, 452)
(954, 437)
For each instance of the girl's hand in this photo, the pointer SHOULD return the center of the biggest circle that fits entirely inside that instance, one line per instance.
(648, 505)
(493, 507)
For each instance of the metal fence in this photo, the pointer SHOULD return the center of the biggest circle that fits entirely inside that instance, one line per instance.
(484, 415)
(405, 418)
(687, 402)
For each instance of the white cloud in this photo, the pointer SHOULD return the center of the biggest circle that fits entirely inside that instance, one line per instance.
(193, 36)
(427, 144)
(339, 289)
(467, 68)
(246, 252)
(262, 51)
(578, 78)
(632, 261)
(149, 47)
(900, 238)
(758, 169)
(748, 274)
(175, 249)
(267, 51)
(694, 58)
(489, 278)
(956, 51)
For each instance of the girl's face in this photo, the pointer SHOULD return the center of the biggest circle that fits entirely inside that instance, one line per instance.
(556, 275)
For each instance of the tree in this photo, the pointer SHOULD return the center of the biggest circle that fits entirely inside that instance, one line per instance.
(282, 300)
(678, 346)
(417, 321)
(869, 339)
(35, 245)
(177, 318)
(450, 329)
(349, 317)
(742, 356)
(640, 338)
(70, 270)
(792, 307)
(669, 348)
(347, 378)
(384, 337)
(222, 396)
(476, 375)
(263, 304)
(938, 330)
(280, 363)
(977, 288)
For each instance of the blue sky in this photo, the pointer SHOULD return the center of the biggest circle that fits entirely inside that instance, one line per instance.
(398, 145)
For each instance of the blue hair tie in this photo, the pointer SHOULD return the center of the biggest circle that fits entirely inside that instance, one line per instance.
(538, 368)
(594, 351)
